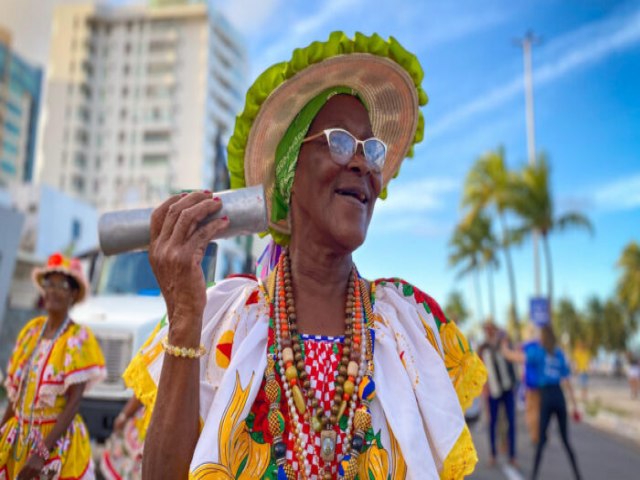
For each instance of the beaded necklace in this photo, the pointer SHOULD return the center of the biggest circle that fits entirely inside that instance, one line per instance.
(355, 369)
(19, 406)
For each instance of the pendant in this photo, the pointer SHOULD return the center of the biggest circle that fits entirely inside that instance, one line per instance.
(328, 445)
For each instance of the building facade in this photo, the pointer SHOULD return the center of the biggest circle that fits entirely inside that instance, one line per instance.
(20, 85)
(135, 98)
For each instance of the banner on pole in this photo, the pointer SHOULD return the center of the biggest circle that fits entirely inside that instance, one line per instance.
(539, 311)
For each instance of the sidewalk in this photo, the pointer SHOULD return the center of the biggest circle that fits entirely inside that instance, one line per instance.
(610, 407)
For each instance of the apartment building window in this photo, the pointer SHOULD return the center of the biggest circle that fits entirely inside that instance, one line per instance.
(78, 183)
(127, 48)
(156, 136)
(125, 91)
(154, 159)
(84, 115)
(96, 186)
(98, 161)
(120, 160)
(80, 160)
(82, 137)
(126, 69)
(72, 67)
(86, 91)
(159, 68)
(122, 136)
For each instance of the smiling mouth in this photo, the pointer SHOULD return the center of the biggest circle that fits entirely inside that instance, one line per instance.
(360, 196)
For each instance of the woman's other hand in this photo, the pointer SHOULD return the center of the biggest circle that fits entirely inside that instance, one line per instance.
(119, 423)
(178, 244)
(32, 468)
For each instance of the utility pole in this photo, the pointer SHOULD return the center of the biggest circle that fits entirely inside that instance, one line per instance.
(526, 43)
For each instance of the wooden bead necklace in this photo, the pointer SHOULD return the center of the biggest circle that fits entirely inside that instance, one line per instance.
(355, 369)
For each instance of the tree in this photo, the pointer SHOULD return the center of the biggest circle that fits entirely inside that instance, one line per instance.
(595, 328)
(533, 202)
(470, 246)
(568, 322)
(616, 330)
(490, 184)
(628, 289)
(455, 309)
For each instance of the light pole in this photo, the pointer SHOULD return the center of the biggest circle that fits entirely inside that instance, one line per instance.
(526, 43)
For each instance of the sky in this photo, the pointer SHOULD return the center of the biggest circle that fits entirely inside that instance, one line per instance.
(587, 110)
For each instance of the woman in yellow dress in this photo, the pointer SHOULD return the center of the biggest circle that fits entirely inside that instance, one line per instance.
(53, 362)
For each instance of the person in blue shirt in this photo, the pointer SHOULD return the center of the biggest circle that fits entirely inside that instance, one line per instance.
(531, 381)
(553, 373)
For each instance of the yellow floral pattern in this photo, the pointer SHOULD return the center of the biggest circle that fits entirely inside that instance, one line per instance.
(240, 457)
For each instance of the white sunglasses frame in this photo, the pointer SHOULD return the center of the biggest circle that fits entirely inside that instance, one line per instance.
(327, 131)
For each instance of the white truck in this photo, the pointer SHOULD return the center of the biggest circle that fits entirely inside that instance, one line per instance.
(123, 309)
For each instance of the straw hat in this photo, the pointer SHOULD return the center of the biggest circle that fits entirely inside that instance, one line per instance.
(58, 263)
(384, 75)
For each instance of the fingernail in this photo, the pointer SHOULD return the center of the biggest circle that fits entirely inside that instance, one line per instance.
(183, 195)
(216, 199)
(206, 191)
(225, 218)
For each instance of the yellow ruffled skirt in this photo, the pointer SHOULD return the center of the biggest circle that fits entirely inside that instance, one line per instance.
(71, 458)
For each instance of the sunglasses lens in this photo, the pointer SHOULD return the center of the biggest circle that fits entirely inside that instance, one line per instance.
(342, 146)
(375, 152)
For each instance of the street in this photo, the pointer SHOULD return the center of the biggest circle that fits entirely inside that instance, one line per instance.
(601, 454)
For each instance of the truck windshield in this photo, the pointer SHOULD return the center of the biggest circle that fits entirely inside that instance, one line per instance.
(130, 273)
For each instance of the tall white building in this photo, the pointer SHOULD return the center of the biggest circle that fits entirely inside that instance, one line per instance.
(135, 98)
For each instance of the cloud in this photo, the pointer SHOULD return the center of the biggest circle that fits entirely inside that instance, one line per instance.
(577, 49)
(249, 16)
(301, 30)
(622, 194)
(412, 206)
(421, 195)
(462, 26)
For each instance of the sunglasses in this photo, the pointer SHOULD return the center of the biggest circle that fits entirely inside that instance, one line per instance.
(343, 146)
(63, 286)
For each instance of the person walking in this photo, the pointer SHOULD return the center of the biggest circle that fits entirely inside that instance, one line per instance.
(500, 388)
(633, 375)
(581, 361)
(554, 370)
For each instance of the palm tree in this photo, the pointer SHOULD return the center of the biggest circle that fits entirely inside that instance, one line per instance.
(490, 184)
(594, 317)
(628, 290)
(533, 203)
(455, 308)
(472, 248)
(568, 321)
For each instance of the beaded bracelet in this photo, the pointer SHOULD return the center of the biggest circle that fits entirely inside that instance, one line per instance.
(182, 352)
(40, 449)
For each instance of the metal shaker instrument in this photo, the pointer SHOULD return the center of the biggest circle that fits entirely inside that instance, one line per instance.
(125, 230)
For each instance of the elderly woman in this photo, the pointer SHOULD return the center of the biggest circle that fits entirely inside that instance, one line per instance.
(54, 361)
(317, 372)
